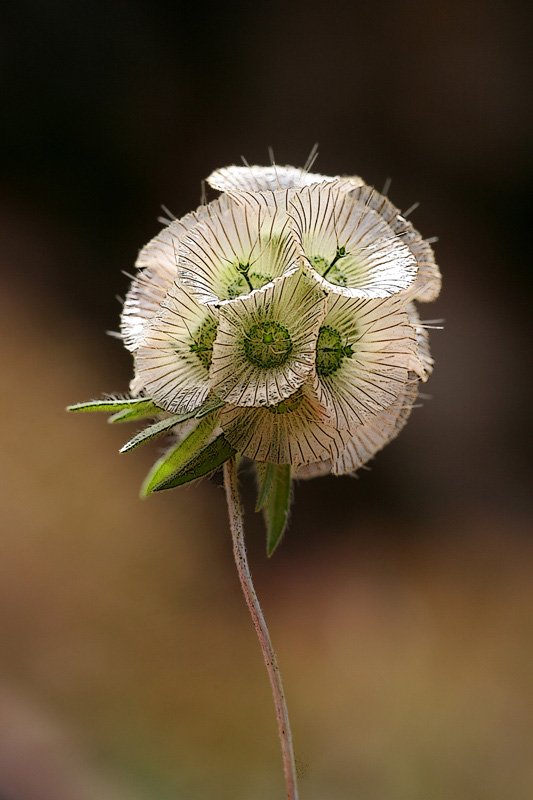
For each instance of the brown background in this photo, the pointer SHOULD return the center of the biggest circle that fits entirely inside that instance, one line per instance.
(401, 603)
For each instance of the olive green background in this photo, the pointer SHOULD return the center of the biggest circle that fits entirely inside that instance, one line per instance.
(401, 603)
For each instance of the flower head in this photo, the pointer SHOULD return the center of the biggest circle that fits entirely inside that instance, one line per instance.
(278, 322)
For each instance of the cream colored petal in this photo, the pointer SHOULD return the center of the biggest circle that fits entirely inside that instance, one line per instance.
(260, 179)
(292, 304)
(423, 365)
(350, 248)
(428, 283)
(239, 250)
(317, 470)
(382, 344)
(296, 435)
(172, 361)
(378, 431)
(369, 438)
(157, 269)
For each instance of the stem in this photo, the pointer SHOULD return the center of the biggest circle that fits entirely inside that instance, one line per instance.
(338, 255)
(269, 655)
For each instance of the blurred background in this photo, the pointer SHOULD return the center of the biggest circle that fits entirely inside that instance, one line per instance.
(401, 603)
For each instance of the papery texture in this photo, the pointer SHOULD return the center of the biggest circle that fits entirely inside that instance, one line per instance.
(266, 341)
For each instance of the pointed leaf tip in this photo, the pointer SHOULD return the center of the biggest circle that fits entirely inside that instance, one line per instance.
(208, 459)
(143, 411)
(113, 406)
(177, 458)
(277, 504)
(154, 430)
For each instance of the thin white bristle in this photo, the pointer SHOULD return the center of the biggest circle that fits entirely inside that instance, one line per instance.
(411, 209)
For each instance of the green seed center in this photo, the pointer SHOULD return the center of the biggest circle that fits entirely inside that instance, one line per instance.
(330, 351)
(202, 344)
(329, 270)
(267, 345)
(244, 284)
(289, 404)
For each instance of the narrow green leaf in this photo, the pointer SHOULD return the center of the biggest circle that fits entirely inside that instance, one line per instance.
(277, 505)
(211, 404)
(139, 412)
(265, 478)
(208, 459)
(154, 430)
(111, 405)
(177, 457)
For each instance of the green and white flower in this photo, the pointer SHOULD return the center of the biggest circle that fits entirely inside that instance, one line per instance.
(277, 323)
(364, 352)
(265, 346)
(239, 250)
(295, 431)
(369, 438)
(427, 285)
(349, 247)
(157, 266)
(173, 358)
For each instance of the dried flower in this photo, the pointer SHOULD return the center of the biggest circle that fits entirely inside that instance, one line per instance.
(281, 317)
(349, 247)
(277, 323)
(173, 356)
(266, 343)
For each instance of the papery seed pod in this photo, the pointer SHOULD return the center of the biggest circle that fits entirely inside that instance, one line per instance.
(266, 341)
(428, 282)
(295, 431)
(157, 266)
(173, 358)
(369, 438)
(348, 246)
(239, 250)
(365, 350)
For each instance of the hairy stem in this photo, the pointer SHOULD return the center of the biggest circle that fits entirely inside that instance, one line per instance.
(269, 655)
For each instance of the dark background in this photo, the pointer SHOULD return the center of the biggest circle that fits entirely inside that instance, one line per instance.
(401, 602)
